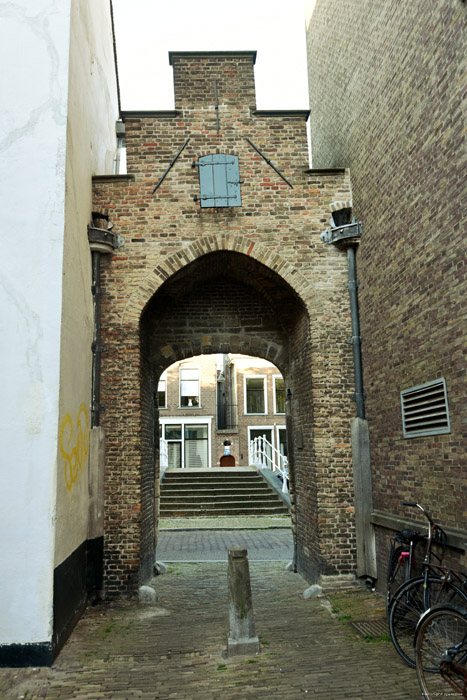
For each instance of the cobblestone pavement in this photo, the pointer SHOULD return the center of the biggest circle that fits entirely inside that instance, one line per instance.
(124, 650)
(212, 545)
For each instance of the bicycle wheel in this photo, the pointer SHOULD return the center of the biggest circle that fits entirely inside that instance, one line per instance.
(410, 602)
(441, 652)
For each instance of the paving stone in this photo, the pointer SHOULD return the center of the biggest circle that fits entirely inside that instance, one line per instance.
(126, 651)
(212, 545)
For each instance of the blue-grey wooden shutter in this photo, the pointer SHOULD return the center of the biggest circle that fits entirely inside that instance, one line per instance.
(219, 181)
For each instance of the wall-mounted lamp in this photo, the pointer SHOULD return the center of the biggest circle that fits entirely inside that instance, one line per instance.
(343, 226)
(341, 217)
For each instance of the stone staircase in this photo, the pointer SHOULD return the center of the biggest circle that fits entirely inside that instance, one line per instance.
(210, 492)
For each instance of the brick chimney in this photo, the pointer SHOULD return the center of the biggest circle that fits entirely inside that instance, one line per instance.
(197, 75)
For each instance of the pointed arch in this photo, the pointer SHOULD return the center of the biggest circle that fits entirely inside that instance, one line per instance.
(211, 244)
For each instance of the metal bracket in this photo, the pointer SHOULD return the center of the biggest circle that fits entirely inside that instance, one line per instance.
(342, 233)
(354, 339)
(98, 290)
(198, 198)
(216, 107)
(98, 348)
(103, 240)
(170, 166)
(209, 165)
(269, 162)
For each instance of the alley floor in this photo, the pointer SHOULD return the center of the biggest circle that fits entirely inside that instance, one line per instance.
(124, 650)
(274, 544)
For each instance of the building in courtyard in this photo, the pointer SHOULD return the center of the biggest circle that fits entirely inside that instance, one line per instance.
(212, 406)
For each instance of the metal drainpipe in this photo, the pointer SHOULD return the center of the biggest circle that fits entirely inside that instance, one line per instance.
(102, 242)
(96, 345)
(356, 338)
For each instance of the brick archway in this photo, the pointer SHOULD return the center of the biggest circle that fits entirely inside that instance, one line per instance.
(227, 300)
(171, 264)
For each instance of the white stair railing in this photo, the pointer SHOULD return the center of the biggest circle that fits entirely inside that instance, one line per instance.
(263, 455)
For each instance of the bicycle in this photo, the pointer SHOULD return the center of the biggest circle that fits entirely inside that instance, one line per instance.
(441, 651)
(402, 562)
(434, 586)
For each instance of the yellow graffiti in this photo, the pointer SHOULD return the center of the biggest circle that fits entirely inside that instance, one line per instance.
(74, 444)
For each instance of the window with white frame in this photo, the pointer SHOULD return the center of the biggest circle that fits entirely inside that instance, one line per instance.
(188, 442)
(189, 387)
(279, 395)
(255, 395)
(162, 391)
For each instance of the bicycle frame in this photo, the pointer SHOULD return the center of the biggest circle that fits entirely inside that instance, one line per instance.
(451, 670)
(451, 666)
(426, 567)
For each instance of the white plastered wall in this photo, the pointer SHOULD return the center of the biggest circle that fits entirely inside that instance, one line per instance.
(34, 85)
(91, 142)
(45, 192)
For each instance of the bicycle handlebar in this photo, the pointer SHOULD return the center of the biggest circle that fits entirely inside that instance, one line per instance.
(412, 504)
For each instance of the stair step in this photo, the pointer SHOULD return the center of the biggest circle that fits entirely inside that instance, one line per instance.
(259, 490)
(213, 502)
(206, 484)
(186, 493)
(179, 478)
(192, 512)
(271, 502)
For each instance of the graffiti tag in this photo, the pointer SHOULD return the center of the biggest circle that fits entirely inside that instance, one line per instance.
(74, 444)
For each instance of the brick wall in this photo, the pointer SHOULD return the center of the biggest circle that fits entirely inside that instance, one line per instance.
(254, 279)
(387, 91)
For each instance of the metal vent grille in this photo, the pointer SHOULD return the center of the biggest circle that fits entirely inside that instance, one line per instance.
(425, 410)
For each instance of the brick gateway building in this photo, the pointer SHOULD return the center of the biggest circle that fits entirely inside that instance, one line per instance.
(222, 253)
(221, 222)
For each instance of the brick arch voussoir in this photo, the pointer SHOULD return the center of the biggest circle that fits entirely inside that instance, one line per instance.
(167, 353)
(211, 244)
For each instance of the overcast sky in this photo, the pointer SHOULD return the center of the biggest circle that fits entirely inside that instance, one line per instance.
(146, 30)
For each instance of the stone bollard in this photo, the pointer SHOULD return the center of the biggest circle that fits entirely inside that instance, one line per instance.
(242, 638)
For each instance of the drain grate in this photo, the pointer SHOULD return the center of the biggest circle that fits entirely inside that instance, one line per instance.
(371, 628)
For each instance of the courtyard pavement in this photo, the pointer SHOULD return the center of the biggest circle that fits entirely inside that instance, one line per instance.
(272, 544)
(125, 650)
